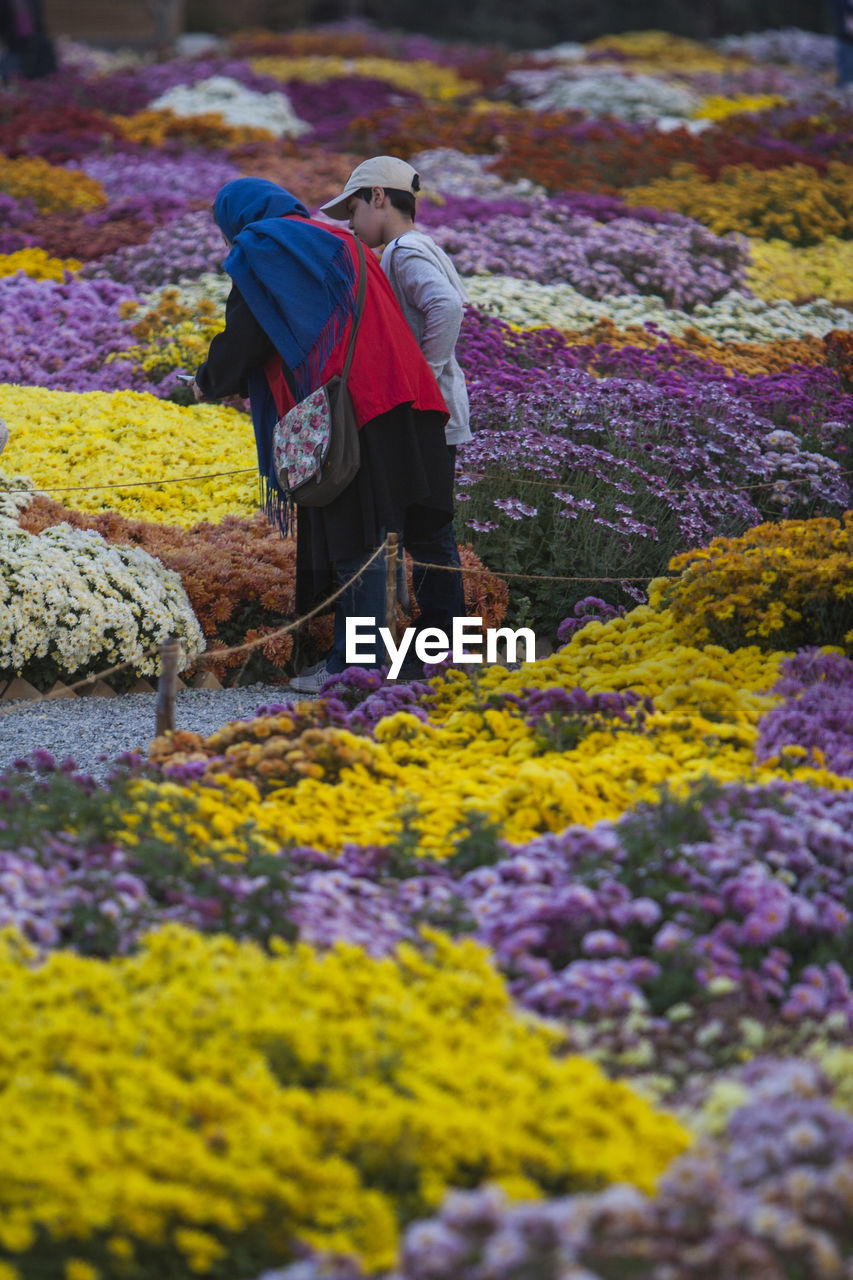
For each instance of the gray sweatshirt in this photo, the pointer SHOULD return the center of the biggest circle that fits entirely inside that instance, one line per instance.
(432, 298)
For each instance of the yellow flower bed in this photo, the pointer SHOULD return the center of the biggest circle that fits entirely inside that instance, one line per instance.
(779, 270)
(50, 186)
(718, 107)
(473, 759)
(202, 1096)
(213, 824)
(100, 438)
(37, 263)
(431, 81)
(154, 128)
(788, 583)
(656, 49)
(793, 203)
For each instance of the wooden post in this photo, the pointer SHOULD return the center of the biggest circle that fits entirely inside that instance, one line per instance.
(167, 687)
(391, 585)
(404, 598)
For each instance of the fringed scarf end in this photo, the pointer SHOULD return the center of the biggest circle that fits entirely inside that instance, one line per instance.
(279, 508)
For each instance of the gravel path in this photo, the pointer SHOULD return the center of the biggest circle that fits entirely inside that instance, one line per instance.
(93, 731)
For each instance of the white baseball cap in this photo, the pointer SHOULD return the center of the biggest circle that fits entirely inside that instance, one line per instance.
(380, 171)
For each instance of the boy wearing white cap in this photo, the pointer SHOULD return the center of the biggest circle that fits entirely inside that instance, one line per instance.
(378, 200)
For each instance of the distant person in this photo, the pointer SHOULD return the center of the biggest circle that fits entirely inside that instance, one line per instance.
(378, 199)
(29, 49)
(842, 21)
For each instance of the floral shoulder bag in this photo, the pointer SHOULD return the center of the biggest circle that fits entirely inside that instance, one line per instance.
(316, 450)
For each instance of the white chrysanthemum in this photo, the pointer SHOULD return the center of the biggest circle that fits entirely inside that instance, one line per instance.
(15, 494)
(237, 105)
(736, 316)
(69, 594)
(604, 93)
(91, 61)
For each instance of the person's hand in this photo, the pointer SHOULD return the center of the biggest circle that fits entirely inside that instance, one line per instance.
(197, 391)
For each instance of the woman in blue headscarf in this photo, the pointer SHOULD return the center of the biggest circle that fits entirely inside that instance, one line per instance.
(287, 324)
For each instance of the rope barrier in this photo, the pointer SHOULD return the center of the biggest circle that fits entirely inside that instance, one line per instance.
(216, 654)
(133, 484)
(537, 577)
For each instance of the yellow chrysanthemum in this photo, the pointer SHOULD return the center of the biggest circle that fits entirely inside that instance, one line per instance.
(51, 187)
(37, 263)
(431, 81)
(778, 584)
(718, 107)
(781, 270)
(655, 50)
(66, 441)
(202, 1095)
(793, 203)
(155, 128)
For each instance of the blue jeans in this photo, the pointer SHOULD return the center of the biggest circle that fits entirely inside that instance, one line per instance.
(440, 595)
(364, 599)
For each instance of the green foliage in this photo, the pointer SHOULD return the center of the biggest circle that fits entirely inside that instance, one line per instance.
(479, 845)
(39, 800)
(549, 546)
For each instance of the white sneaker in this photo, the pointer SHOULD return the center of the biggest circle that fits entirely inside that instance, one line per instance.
(310, 680)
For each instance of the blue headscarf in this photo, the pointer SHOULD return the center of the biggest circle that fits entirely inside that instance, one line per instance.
(298, 281)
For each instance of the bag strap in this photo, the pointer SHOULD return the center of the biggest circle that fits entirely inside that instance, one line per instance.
(359, 307)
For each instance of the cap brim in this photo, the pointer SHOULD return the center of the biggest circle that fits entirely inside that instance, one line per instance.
(337, 208)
